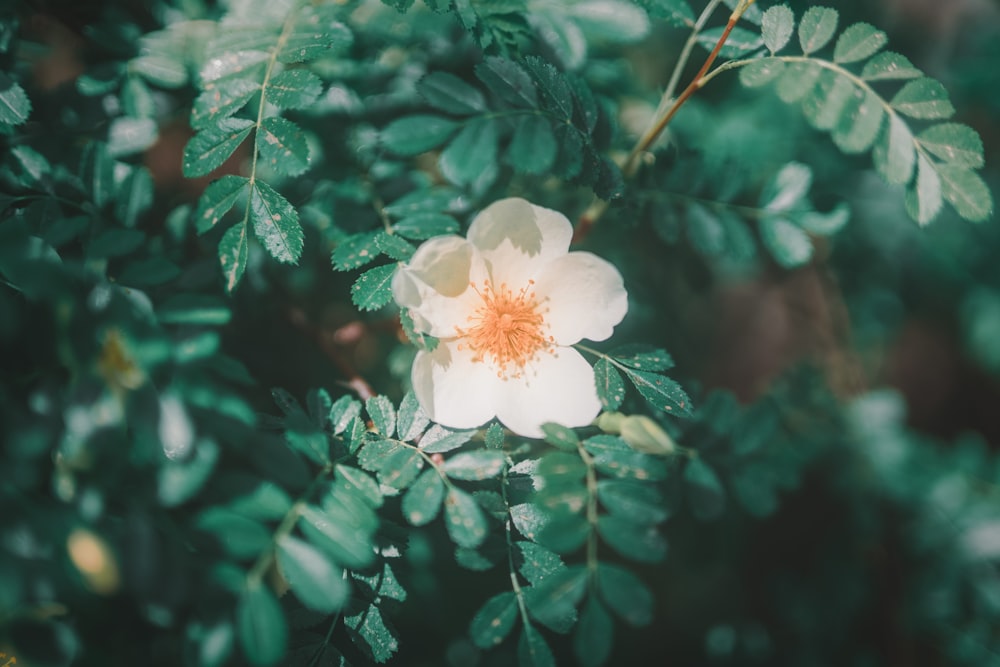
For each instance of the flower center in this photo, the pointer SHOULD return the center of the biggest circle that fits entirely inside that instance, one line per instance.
(508, 327)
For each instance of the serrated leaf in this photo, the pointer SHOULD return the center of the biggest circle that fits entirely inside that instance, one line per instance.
(625, 594)
(777, 27)
(661, 391)
(411, 420)
(475, 465)
(610, 386)
(439, 439)
(230, 64)
(359, 483)
(316, 32)
(923, 98)
(471, 153)
(642, 357)
(260, 625)
(860, 122)
(828, 100)
(282, 146)
(337, 535)
(552, 601)
(316, 581)
(373, 288)
(761, 72)
(594, 636)
(383, 415)
(354, 252)
(293, 89)
(494, 620)
(219, 197)
(370, 632)
(954, 143)
(422, 500)
(533, 650)
(509, 81)
(532, 148)
(207, 150)
(966, 191)
(233, 251)
(888, 66)
(788, 243)
(426, 225)
(15, 106)
(343, 410)
(535, 562)
(446, 92)
(394, 246)
(858, 42)
(560, 436)
(924, 198)
(816, 28)
(796, 80)
(412, 135)
(275, 223)
(894, 155)
(638, 541)
(464, 519)
(612, 456)
(220, 100)
(556, 95)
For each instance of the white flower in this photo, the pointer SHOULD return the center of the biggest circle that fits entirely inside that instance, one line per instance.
(506, 305)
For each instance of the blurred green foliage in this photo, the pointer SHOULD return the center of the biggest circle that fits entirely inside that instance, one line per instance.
(773, 501)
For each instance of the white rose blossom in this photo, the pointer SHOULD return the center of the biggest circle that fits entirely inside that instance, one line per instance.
(506, 303)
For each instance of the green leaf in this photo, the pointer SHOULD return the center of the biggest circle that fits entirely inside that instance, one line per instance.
(233, 251)
(343, 410)
(369, 632)
(494, 620)
(464, 519)
(788, 243)
(552, 601)
(788, 189)
(894, 155)
(412, 135)
(354, 252)
(439, 439)
(594, 636)
(642, 357)
(533, 650)
(260, 625)
(924, 199)
(422, 226)
(383, 415)
(828, 100)
(704, 489)
(560, 436)
(824, 224)
(556, 95)
(276, 223)
(316, 32)
(475, 465)
(533, 146)
(15, 107)
(612, 456)
(359, 483)
(610, 386)
(858, 42)
(677, 12)
(394, 246)
(471, 153)
(135, 196)
(127, 136)
(446, 92)
(98, 172)
(888, 66)
(240, 536)
(661, 391)
(796, 80)
(207, 150)
(535, 562)
(761, 72)
(777, 27)
(411, 420)
(266, 501)
(337, 534)
(220, 100)
(705, 230)
(219, 197)
(373, 288)
(282, 146)
(625, 594)
(641, 503)
(923, 98)
(966, 191)
(638, 541)
(740, 41)
(954, 143)
(613, 21)
(294, 89)
(816, 28)
(422, 500)
(178, 481)
(235, 64)
(509, 81)
(314, 579)
(860, 122)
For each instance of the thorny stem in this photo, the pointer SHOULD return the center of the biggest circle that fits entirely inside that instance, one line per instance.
(631, 165)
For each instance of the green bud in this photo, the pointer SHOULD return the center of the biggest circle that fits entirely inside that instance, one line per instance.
(645, 435)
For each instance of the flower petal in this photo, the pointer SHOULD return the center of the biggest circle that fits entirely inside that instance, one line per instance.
(517, 238)
(435, 285)
(584, 295)
(557, 388)
(453, 389)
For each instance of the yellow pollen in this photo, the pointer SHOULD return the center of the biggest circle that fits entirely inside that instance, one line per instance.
(508, 327)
